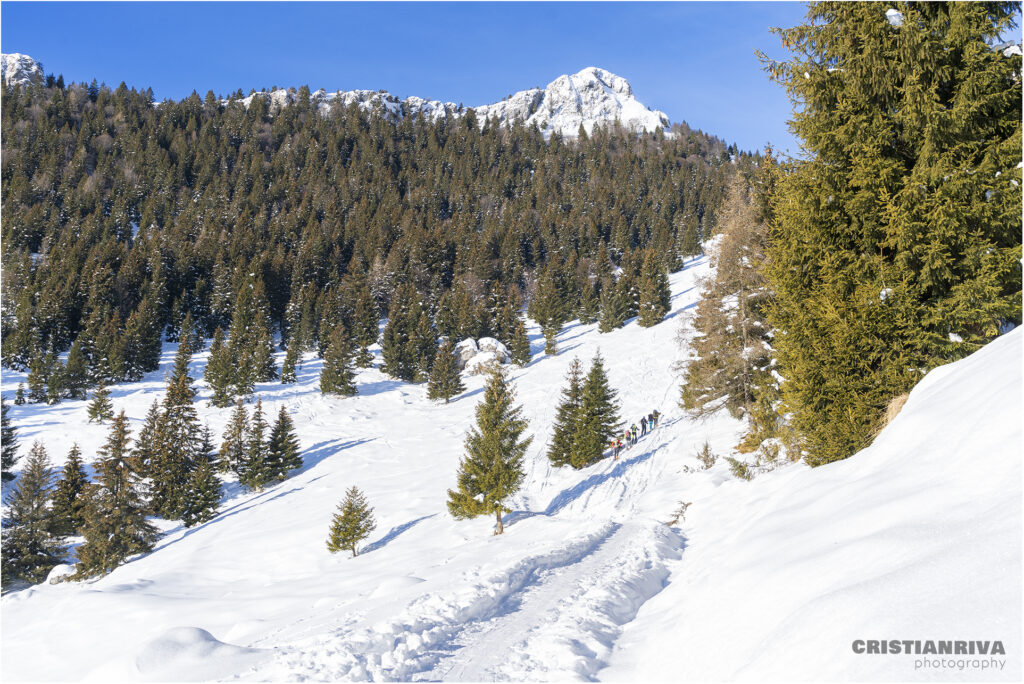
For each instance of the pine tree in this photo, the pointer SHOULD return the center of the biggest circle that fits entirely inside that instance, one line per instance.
(549, 308)
(233, 453)
(492, 469)
(203, 498)
(38, 370)
(590, 302)
(445, 377)
(100, 408)
(424, 345)
(614, 308)
(351, 524)
(290, 365)
(731, 359)
(895, 244)
(19, 396)
(9, 438)
(75, 378)
(177, 446)
(256, 472)
(69, 499)
(30, 549)
(147, 443)
(115, 515)
(399, 342)
(219, 372)
(655, 293)
(337, 375)
(598, 418)
(283, 452)
(365, 320)
(567, 416)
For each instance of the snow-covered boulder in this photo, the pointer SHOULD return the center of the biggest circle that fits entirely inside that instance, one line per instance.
(60, 573)
(465, 350)
(477, 356)
(489, 344)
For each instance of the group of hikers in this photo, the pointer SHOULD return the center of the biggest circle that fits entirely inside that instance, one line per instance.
(633, 434)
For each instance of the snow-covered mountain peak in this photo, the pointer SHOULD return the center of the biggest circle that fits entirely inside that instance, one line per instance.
(18, 68)
(587, 98)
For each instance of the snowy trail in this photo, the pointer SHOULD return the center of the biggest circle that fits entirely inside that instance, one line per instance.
(563, 625)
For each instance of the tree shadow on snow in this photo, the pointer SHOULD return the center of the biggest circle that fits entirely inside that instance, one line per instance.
(567, 496)
(394, 532)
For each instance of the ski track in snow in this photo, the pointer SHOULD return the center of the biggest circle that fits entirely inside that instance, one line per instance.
(553, 616)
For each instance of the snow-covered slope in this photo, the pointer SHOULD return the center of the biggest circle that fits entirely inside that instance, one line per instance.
(915, 538)
(589, 97)
(19, 68)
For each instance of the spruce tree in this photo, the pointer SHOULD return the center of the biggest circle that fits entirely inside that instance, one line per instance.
(492, 469)
(219, 373)
(177, 445)
(567, 416)
(257, 469)
(598, 418)
(337, 375)
(69, 498)
(291, 363)
(30, 549)
(100, 408)
(655, 293)
(233, 453)
(351, 524)
(38, 370)
(203, 498)
(147, 443)
(614, 308)
(115, 515)
(399, 342)
(895, 245)
(283, 451)
(19, 396)
(9, 439)
(445, 378)
(75, 378)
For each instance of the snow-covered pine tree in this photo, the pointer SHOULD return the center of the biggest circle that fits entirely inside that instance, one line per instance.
(19, 395)
(203, 498)
(177, 445)
(100, 407)
(351, 524)
(115, 515)
(69, 498)
(30, 549)
(75, 376)
(549, 307)
(445, 378)
(256, 473)
(614, 308)
(567, 415)
(219, 373)
(492, 469)
(399, 342)
(598, 418)
(9, 447)
(233, 453)
(283, 453)
(291, 363)
(337, 375)
(655, 293)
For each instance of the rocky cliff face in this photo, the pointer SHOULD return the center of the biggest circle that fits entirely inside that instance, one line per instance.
(21, 69)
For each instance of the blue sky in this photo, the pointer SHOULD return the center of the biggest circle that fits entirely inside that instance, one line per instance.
(693, 60)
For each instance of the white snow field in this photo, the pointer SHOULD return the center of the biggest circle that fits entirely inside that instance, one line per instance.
(917, 537)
